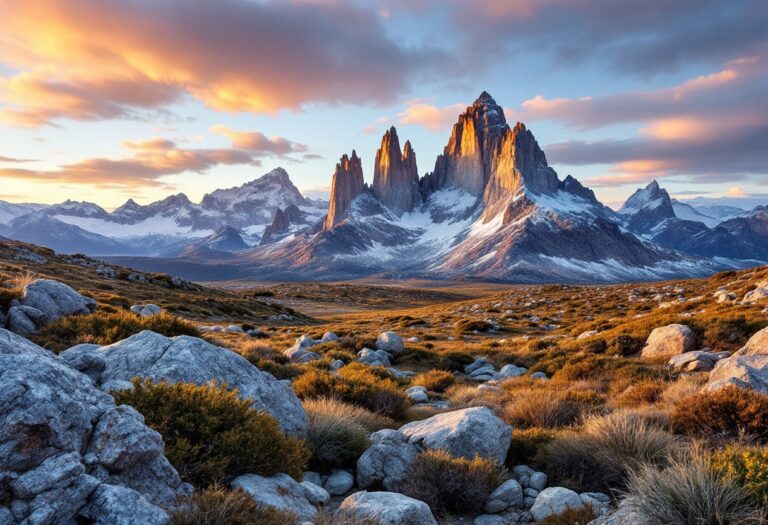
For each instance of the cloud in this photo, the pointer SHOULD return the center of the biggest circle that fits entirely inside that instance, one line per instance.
(736, 191)
(89, 59)
(14, 160)
(149, 162)
(431, 117)
(258, 143)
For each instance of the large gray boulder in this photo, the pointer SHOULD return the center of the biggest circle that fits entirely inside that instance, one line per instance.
(280, 491)
(387, 508)
(745, 371)
(669, 340)
(390, 342)
(555, 500)
(55, 299)
(466, 433)
(25, 320)
(87, 359)
(757, 344)
(194, 360)
(65, 446)
(386, 460)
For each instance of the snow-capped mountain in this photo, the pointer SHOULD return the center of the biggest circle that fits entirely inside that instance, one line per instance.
(491, 208)
(164, 226)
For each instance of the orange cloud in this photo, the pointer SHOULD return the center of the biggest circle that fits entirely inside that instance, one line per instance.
(257, 142)
(86, 59)
(431, 117)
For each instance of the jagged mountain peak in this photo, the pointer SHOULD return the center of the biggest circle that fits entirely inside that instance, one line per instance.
(395, 174)
(346, 185)
(647, 208)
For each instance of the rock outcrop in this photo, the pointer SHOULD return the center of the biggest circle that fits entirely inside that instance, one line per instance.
(280, 492)
(193, 360)
(386, 461)
(281, 224)
(395, 175)
(465, 433)
(347, 184)
(669, 340)
(43, 301)
(387, 508)
(68, 453)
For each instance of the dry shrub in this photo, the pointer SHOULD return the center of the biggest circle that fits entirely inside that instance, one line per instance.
(451, 485)
(434, 380)
(334, 440)
(211, 435)
(463, 396)
(580, 516)
(356, 384)
(599, 457)
(640, 394)
(544, 409)
(468, 326)
(683, 387)
(106, 328)
(217, 505)
(689, 492)
(526, 444)
(341, 517)
(21, 280)
(723, 413)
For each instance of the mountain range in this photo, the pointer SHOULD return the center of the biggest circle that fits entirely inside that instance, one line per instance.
(491, 208)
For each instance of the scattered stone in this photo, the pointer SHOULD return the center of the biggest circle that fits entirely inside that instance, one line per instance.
(193, 360)
(539, 375)
(280, 492)
(386, 460)
(466, 433)
(374, 357)
(696, 361)
(555, 500)
(336, 364)
(669, 340)
(624, 515)
(417, 394)
(508, 494)
(390, 342)
(315, 494)
(587, 334)
(146, 310)
(339, 482)
(329, 337)
(509, 371)
(387, 508)
(235, 329)
(537, 481)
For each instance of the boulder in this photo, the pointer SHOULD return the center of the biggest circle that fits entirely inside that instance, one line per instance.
(315, 494)
(386, 460)
(329, 337)
(146, 310)
(669, 340)
(758, 294)
(623, 515)
(339, 482)
(87, 359)
(280, 491)
(509, 371)
(25, 320)
(417, 394)
(55, 299)
(299, 348)
(587, 334)
(374, 357)
(508, 494)
(555, 500)
(390, 342)
(68, 453)
(757, 344)
(193, 360)
(387, 508)
(466, 433)
(745, 371)
(696, 361)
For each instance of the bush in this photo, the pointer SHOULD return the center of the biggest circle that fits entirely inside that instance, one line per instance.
(689, 492)
(451, 485)
(639, 394)
(211, 435)
(217, 505)
(468, 326)
(106, 328)
(526, 445)
(335, 440)
(600, 456)
(434, 380)
(748, 466)
(544, 409)
(357, 384)
(726, 412)
(453, 360)
(580, 516)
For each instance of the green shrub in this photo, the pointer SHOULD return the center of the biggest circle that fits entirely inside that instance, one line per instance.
(217, 506)
(748, 466)
(434, 380)
(334, 439)
(358, 384)
(600, 456)
(580, 516)
(451, 485)
(725, 412)
(106, 328)
(689, 492)
(211, 435)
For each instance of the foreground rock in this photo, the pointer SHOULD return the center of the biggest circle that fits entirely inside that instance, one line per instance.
(555, 500)
(744, 371)
(757, 344)
(390, 342)
(193, 360)
(68, 453)
(387, 508)
(669, 340)
(463, 433)
(387, 460)
(696, 361)
(280, 491)
(43, 301)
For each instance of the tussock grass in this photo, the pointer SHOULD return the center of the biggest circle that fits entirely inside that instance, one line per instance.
(217, 505)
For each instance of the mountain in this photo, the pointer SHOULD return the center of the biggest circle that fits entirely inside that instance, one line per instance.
(689, 212)
(646, 208)
(39, 228)
(173, 223)
(492, 208)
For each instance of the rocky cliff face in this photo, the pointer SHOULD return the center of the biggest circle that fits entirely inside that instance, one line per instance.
(347, 184)
(467, 160)
(646, 208)
(395, 176)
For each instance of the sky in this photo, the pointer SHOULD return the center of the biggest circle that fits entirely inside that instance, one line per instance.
(105, 100)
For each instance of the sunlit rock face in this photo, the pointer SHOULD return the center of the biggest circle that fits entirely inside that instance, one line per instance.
(395, 176)
(346, 185)
(467, 160)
